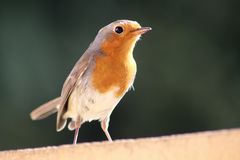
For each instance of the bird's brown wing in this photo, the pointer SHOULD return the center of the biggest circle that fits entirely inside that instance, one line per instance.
(70, 83)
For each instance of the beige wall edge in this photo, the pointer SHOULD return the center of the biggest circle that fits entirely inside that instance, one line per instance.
(211, 145)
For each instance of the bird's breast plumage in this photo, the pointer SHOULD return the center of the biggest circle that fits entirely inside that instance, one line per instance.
(101, 88)
(113, 72)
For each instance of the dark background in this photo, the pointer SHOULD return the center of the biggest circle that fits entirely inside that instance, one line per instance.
(188, 76)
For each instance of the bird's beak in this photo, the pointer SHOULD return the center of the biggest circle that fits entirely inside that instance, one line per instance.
(142, 30)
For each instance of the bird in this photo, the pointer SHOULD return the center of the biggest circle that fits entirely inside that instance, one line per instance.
(98, 80)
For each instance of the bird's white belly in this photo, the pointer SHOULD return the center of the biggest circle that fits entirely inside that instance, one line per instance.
(91, 105)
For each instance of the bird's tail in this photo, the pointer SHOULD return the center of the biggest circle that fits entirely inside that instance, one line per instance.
(46, 109)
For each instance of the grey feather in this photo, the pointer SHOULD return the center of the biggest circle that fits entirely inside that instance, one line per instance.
(46, 109)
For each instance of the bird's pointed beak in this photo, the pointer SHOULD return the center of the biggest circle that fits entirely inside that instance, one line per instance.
(142, 30)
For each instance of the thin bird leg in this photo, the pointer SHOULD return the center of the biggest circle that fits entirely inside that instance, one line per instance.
(77, 126)
(104, 125)
(75, 136)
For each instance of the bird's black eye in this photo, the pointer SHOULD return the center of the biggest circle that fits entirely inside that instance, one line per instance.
(118, 29)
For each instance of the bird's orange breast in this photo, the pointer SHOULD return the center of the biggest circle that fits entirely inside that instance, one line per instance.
(116, 68)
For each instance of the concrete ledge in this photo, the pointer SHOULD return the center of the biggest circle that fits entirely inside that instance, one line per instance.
(212, 145)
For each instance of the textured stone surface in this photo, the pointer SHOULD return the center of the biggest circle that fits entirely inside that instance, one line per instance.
(211, 145)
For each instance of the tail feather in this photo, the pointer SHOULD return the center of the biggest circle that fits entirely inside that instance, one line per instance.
(46, 109)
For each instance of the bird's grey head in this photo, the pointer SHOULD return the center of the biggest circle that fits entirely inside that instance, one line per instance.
(120, 31)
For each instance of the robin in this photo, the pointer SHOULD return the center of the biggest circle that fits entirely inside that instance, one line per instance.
(99, 79)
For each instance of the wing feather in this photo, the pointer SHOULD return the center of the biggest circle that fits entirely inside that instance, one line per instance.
(70, 83)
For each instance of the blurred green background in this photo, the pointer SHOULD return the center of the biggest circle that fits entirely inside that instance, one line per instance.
(188, 76)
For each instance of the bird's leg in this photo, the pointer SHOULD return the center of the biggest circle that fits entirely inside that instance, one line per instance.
(75, 136)
(77, 127)
(104, 125)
